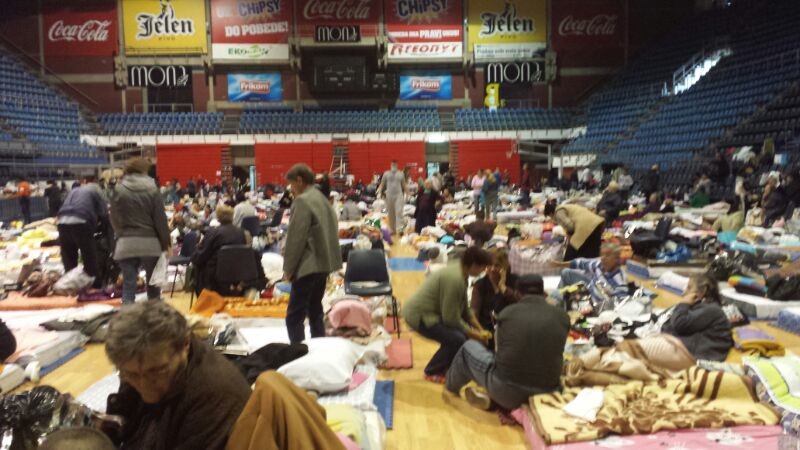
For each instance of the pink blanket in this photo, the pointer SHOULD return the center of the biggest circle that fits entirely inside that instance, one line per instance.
(18, 302)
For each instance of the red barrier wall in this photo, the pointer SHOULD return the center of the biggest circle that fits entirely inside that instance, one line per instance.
(274, 160)
(183, 161)
(487, 154)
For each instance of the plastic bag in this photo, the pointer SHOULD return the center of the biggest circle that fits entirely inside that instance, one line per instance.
(159, 276)
(72, 282)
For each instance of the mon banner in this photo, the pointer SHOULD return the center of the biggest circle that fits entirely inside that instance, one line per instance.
(426, 86)
(581, 24)
(255, 30)
(507, 30)
(163, 27)
(255, 87)
(423, 29)
(313, 13)
(86, 30)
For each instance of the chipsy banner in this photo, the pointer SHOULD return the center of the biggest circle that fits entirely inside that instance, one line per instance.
(88, 29)
(255, 87)
(426, 86)
(578, 24)
(423, 29)
(162, 27)
(255, 30)
(507, 30)
(314, 13)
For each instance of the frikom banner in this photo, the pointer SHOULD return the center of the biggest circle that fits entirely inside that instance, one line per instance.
(255, 87)
(581, 24)
(507, 30)
(423, 29)
(313, 16)
(256, 30)
(164, 27)
(88, 29)
(426, 86)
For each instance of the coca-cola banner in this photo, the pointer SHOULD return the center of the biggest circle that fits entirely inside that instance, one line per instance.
(587, 24)
(423, 29)
(365, 13)
(256, 30)
(88, 29)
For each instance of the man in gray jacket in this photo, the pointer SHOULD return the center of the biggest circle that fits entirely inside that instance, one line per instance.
(83, 209)
(311, 253)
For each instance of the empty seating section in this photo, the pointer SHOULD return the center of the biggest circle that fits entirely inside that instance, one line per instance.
(397, 120)
(42, 116)
(513, 119)
(161, 123)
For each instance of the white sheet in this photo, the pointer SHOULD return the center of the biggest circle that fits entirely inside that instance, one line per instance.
(759, 307)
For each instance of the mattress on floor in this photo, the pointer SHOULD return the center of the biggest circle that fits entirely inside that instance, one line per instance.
(96, 396)
(49, 352)
(11, 376)
(789, 320)
(757, 307)
(361, 397)
(511, 216)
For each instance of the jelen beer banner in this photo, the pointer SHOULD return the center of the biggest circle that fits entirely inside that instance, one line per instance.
(423, 29)
(312, 14)
(164, 27)
(85, 30)
(256, 30)
(507, 30)
(581, 24)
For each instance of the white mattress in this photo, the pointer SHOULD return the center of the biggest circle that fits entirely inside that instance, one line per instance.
(758, 307)
(50, 352)
(11, 377)
(509, 216)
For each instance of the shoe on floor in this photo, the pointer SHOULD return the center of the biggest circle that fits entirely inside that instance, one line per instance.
(477, 398)
(438, 379)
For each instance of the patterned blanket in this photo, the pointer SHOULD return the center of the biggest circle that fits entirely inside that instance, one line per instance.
(698, 399)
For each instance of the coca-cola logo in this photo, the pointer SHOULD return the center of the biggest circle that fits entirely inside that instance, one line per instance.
(350, 10)
(89, 31)
(599, 25)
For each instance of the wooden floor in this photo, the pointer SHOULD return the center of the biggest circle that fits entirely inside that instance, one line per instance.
(425, 415)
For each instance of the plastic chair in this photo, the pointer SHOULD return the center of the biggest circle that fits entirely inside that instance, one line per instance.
(235, 264)
(370, 265)
(252, 224)
(184, 258)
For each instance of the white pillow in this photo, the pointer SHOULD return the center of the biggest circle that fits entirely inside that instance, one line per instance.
(328, 366)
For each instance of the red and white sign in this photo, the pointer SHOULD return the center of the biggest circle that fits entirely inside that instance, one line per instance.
(424, 29)
(579, 24)
(87, 30)
(365, 13)
(255, 30)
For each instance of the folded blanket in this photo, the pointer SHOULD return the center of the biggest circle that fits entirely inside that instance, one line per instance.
(755, 341)
(699, 399)
(209, 302)
(777, 383)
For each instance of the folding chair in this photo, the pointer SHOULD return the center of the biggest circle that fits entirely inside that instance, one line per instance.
(370, 265)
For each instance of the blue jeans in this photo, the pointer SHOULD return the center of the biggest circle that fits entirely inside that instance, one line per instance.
(568, 278)
(474, 362)
(130, 274)
(450, 340)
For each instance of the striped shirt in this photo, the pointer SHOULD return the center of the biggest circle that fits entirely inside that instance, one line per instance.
(616, 281)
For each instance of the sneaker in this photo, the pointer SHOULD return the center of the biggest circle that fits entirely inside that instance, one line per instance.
(438, 379)
(477, 398)
(32, 371)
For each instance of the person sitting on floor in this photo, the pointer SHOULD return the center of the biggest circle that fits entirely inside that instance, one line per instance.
(603, 277)
(653, 205)
(583, 227)
(205, 259)
(350, 210)
(439, 310)
(175, 391)
(699, 322)
(530, 337)
(610, 203)
(494, 291)
(481, 230)
(244, 208)
(733, 221)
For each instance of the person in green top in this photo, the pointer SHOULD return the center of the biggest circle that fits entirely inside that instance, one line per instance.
(439, 310)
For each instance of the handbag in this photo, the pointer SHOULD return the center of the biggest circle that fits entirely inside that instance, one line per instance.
(780, 288)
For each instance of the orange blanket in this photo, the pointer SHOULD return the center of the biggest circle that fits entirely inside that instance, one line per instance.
(18, 302)
(209, 302)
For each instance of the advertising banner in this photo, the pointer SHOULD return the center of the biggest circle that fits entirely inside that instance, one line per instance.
(164, 27)
(313, 13)
(426, 86)
(423, 29)
(256, 30)
(580, 24)
(159, 76)
(85, 30)
(255, 87)
(507, 30)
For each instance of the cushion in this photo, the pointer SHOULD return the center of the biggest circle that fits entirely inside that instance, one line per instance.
(328, 366)
(351, 314)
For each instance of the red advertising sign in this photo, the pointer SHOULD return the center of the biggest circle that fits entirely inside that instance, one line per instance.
(250, 29)
(365, 13)
(581, 24)
(84, 30)
(424, 29)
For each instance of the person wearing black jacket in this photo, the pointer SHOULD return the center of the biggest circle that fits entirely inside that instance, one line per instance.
(610, 203)
(775, 202)
(492, 293)
(83, 209)
(651, 182)
(205, 259)
(699, 322)
(53, 195)
(425, 212)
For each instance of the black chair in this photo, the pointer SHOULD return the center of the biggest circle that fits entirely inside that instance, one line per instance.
(252, 224)
(236, 264)
(185, 257)
(370, 266)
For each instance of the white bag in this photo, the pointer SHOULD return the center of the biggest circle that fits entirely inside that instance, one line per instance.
(72, 282)
(159, 276)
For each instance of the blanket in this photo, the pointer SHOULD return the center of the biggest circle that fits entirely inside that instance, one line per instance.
(752, 340)
(18, 302)
(698, 399)
(703, 438)
(777, 383)
(209, 302)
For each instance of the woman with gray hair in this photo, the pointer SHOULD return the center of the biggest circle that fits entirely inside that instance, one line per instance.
(140, 224)
(175, 391)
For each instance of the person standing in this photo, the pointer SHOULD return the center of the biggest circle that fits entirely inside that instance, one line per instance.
(651, 182)
(583, 227)
(477, 189)
(311, 253)
(490, 190)
(77, 221)
(393, 187)
(425, 212)
(140, 223)
(24, 195)
(525, 186)
(53, 195)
